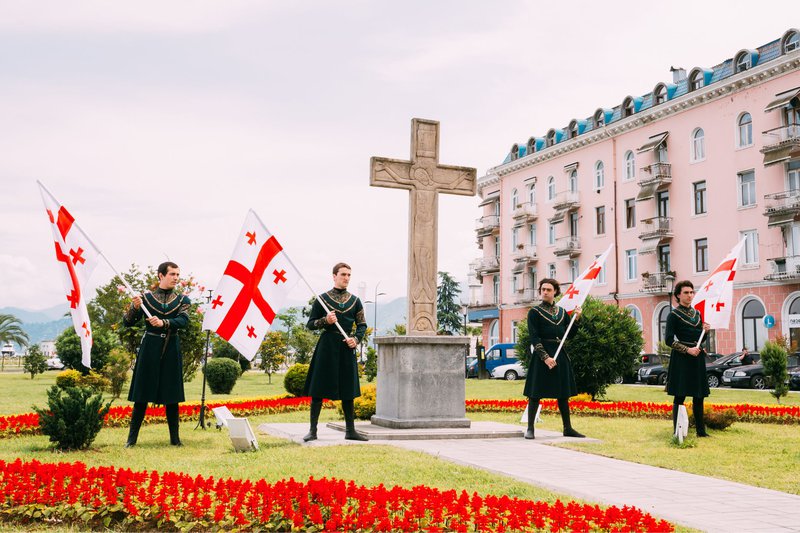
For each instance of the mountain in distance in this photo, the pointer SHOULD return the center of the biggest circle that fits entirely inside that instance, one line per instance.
(43, 315)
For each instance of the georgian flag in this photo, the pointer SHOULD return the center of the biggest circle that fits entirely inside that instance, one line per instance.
(253, 287)
(580, 288)
(78, 257)
(714, 299)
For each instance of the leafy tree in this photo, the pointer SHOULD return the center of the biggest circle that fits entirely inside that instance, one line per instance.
(606, 345)
(73, 417)
(68, 348)
(448, 308)
(35, 361)
(272, 352)
(371, 364)
(774, 359)
(118, 363)
(11, 331)
(221, 348)
(303, 341)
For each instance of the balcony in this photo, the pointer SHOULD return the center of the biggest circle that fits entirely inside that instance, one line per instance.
(567, 247)
(486, 265)
(488, 224)
(656, 227)
(525, 253)
(654, 177)
(525, 296)
(657, 282)
(781, 144)
(782, 207)
(563, 203)
(525, 212)
(784, 268)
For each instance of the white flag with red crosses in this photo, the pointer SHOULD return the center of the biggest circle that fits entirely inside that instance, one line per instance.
(580, 288)
(714, 298)
(77, 257)
(253, 287)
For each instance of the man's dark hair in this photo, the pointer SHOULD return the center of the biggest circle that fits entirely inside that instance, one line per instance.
(164, 267)
(680, 285)
(339, 266)
(554, 283)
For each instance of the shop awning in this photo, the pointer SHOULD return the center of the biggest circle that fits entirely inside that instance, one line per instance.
(783, 99)
(649, 246)
(482, 314)
(654, 142)
(489, 200)
(646, 192)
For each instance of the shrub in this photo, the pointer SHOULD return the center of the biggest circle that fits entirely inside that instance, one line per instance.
(94, 381)
(221, 348)
(222, 374)
(73, 418)
(295, 379)
(68, 347)
(35, 361)
(774, 359)
(371, 364)
(364, 405)
(116, 370)
(68, 378)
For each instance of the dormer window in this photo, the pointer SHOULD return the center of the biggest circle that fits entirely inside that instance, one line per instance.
(515, 152)
(599, 119)
(572, 131)
(627, 107)
(659, 94)
(695, 80)
(790, 41)
(531, 145)
(743, 61)
(551, 138)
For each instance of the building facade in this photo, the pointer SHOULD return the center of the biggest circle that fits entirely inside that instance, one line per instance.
(674, 179)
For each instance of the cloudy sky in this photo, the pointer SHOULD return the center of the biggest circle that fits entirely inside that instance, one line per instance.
(158, 124)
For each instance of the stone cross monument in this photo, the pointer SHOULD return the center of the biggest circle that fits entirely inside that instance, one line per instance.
(424, 178)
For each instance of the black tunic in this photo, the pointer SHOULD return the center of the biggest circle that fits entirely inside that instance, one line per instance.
(547, 325)
(158, 373)
(687, 373)
(333, 373)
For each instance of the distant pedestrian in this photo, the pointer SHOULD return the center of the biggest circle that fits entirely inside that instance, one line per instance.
(746, 358)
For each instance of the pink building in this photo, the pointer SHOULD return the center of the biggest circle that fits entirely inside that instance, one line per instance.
(673, 178)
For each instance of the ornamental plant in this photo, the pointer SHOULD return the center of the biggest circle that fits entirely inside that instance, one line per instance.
(222, 374)
(774, 359)
(73, 418)
(295, 379)
(364, 405)
(35, 362)
(116, 370)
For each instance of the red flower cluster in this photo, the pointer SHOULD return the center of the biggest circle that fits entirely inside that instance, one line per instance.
(103, 497)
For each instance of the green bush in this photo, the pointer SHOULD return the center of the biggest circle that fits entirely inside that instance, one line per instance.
(116, 370)
(364, 405)
(774, 359)
(221, 348)
(68, 378)
(714, 419)
(35, 361)
(222, 374)
(371, 364)
(295, 379)
(73, 418)
(94, 381)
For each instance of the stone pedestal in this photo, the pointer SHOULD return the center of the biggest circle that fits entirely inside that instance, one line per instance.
(421, 382)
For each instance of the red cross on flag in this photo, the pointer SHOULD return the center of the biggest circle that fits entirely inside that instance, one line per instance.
(78, 257)
(253, 287)
(714, 298)
(580, 288)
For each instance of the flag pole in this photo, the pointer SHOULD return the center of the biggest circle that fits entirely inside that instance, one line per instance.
(703, 334)
(569, 327)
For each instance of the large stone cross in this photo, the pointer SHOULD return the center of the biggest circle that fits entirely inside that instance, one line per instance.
(424, 178)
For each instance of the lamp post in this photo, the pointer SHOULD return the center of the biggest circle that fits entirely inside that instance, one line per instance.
(201, 423)
(375, 322)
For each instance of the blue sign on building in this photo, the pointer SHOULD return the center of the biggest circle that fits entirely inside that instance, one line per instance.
(769, 321)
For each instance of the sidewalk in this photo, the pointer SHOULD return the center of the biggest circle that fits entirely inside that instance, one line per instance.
(695, 501)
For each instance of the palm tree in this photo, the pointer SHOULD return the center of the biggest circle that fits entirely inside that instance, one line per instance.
(11, 330)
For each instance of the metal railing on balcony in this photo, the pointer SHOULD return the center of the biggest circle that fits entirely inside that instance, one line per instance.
(784, 268)
(657, 173)
(487, 224)
(488, 264)
(570, 246)
(525, 296)
(525, 252)
(566, 200)
(776, 137)
(657, 282)
(651, 228)
(782, 202)
(525, 211)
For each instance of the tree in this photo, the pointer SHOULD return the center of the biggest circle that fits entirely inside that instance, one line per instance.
(606, 346)
(774, 359)
(11, 331)
(35, 361)
(371, 364)
(272, 352)
(68, 348)
(303, 341)
(221, 348)
(118, 363)
(448, 309)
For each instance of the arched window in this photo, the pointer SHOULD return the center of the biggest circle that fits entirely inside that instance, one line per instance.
(515, 152)
(531, 145)
(745, 129)
(494, 333)
(695, 80)
(630, 165)
(794, 333)
(659, 94)
(551, 138)
(754, 332)
(627, 107)
(599, 175)
(551, 188)
(573, 181)
(599, 118)
(636, 314)
(791, 41)
(698, 145)
(743, 61)
(662, 322)
(531, 194)
(514, 198)
(496, 289)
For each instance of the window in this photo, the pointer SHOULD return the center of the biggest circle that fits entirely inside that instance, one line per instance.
(630, 265)
(494, 333)
(630, 165)
(745, 130)
(695, 80)
(551, 270)
(664, 261)
(636, 314)
(627, 107)
(531, 194)
(514, 331)
(791, 42)
(753, 329)
(531, 145)
(496, 289)
(743, 61)
(573, 269)
(573, 129)
(698, 145)
(497, 207)
(497, 247)
(599, 175)
(515, 283)
(573, 181)
(659, 94)
(750, 246)
(662, 322)
(532, 278)
(550, 140)
(601, 278)
(701, 255)
(514, 199)
(551, 234)
(599, 119)
(747, 188)
(551, 188)
(573, 224)
(700, 198)
(600, 216)
(662, 204)
(630, 213)
(793, 179)
(514, 238)
(532, 234)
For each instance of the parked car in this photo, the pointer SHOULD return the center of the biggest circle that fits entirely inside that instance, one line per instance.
(498, 354)
(715, 369)
(509, 372)
(752, 376)
(472, 366)
(652, 374)
(794, 379)
(54, 363)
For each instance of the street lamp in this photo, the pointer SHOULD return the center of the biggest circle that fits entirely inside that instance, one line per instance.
(375, 303)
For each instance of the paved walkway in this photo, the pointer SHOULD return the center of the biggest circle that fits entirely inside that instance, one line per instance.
(700, 502)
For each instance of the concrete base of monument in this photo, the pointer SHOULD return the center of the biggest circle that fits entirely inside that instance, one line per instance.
(420, 383)
(478, 430)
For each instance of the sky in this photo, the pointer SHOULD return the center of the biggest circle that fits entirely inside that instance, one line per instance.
(159, 124)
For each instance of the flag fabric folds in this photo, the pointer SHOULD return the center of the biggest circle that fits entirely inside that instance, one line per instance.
(255, 284)
(78, 257)
(714, 299)
(580, 288)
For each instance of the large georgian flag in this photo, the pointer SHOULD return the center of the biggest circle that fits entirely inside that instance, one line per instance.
(580, 288)
(253, 287)
(714, 298)
(78, 257)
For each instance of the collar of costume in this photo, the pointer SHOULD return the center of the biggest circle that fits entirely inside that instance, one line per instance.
(164, 297)
(551, 312)
(339, 299)
(687, 314)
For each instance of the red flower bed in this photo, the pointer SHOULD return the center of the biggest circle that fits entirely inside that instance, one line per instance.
(102, 497)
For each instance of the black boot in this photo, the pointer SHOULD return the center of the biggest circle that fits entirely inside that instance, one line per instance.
(316, 407)
(173, 423)
(533, 407)
(563, 406)
(137, 417)
(675, 408)
(350, 422)
(699, 419)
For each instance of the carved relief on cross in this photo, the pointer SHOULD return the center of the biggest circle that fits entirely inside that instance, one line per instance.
(424, 178)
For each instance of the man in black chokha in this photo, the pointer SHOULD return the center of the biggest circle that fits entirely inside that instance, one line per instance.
(548, 377)
(333, 373)
(158, 373)
(687, 365)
